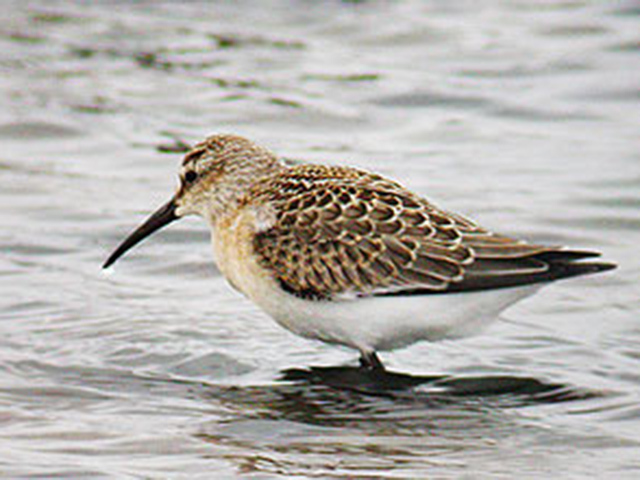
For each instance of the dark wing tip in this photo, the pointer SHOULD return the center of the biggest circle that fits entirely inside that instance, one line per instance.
(560, 265)
(566, 263)
(572, 269)
(566, 255)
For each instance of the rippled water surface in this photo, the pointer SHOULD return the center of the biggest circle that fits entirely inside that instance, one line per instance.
(522, 114)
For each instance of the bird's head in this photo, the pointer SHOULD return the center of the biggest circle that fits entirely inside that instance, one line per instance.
(213, 177)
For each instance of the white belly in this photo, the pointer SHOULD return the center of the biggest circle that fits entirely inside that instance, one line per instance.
(386, 323)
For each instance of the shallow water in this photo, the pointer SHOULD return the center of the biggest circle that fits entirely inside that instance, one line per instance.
(523, 114)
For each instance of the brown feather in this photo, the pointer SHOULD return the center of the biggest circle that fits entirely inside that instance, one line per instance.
(357, 233)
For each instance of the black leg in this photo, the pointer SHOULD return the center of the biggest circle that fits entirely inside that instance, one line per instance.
(370, 361)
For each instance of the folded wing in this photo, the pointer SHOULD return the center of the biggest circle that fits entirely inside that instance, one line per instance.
(357, 234)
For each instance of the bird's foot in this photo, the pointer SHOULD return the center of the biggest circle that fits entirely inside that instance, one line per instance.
(370, 361)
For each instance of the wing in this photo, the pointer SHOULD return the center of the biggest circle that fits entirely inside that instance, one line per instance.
(357, 234)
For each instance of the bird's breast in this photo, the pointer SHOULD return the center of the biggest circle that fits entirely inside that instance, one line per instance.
(232, 240)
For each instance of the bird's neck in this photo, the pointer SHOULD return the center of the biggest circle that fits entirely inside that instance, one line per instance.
(236, 192)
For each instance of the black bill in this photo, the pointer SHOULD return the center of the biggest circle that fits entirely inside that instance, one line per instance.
(163, 216)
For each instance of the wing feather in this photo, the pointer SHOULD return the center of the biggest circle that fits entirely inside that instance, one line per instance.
(344, 232)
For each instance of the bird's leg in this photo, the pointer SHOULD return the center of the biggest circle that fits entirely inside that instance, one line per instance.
(370, 361)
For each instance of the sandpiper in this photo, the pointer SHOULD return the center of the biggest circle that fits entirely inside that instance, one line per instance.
(349, 257)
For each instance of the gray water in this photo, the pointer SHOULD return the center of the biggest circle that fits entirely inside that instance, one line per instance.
(524, 115)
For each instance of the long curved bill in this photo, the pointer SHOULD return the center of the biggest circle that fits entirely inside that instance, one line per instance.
(163, 216)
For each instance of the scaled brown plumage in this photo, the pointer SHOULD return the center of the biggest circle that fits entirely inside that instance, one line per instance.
(342, 231)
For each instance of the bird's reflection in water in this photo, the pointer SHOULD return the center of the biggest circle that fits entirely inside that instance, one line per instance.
(334, 421)
(433, 388)
(331, 395)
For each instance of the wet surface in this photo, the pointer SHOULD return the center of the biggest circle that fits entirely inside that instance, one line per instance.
(522, 115)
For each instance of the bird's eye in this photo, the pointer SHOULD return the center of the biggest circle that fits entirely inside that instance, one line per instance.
(190, 176)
